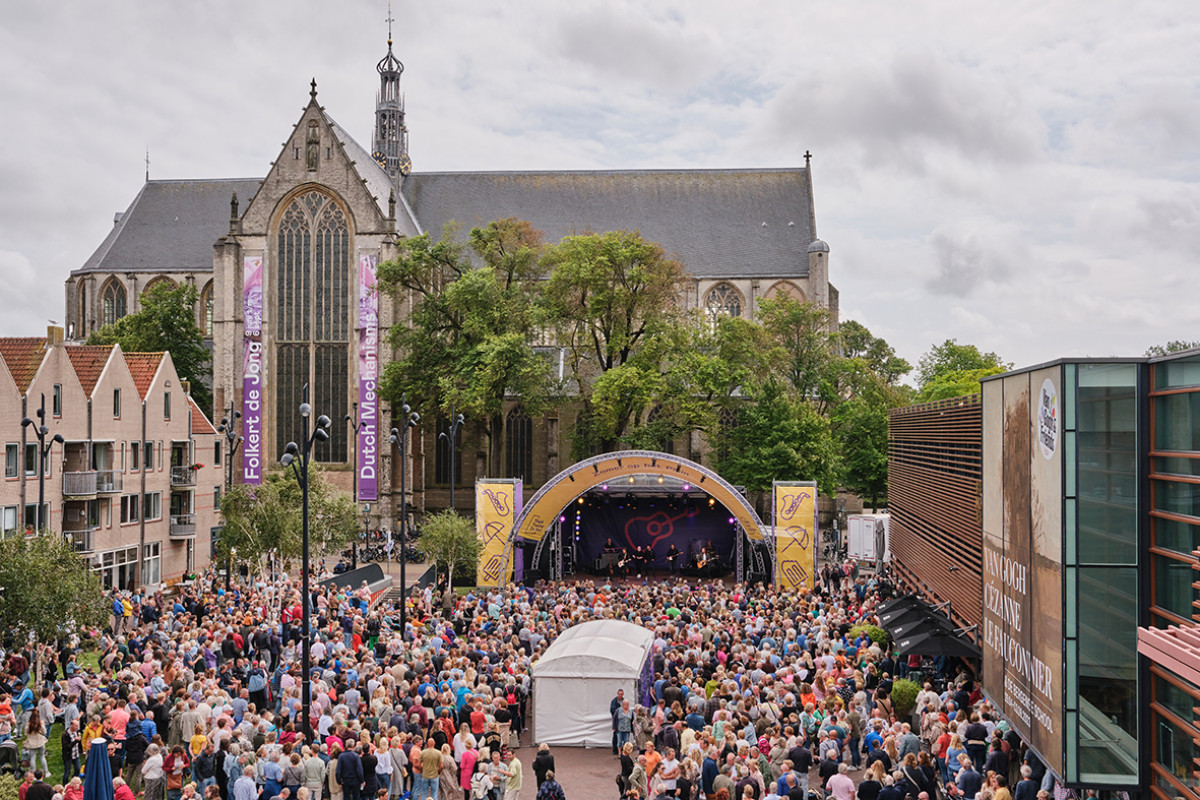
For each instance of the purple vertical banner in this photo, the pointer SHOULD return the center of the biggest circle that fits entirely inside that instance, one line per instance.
(368, 379)
(252, 370)
(518, 556)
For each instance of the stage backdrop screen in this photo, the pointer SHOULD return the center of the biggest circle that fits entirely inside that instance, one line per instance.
(1022, 556)
(655, 523)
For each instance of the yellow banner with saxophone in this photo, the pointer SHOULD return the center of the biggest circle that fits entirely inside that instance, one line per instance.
(794, 512)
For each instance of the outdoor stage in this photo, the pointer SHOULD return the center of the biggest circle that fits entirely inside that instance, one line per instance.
(642, 512)
(649, 528)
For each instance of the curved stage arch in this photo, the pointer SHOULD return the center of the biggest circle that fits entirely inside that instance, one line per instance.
(560, 491)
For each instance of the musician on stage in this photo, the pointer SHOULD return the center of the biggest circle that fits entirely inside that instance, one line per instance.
(616, 558)
(708, 560)
(639, 559)
(673, 556)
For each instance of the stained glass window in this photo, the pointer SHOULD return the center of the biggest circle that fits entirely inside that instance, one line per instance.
(657, 418)
(206, 306)
(723, 301)
(518, 445)
(114, 298)
(313, 306)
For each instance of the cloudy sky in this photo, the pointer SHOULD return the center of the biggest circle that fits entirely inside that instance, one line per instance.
(1022, 176)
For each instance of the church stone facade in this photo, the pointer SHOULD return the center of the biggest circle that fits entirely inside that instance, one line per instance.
(328, 207)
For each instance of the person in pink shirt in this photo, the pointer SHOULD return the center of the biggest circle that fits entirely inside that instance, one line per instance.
(841, 785)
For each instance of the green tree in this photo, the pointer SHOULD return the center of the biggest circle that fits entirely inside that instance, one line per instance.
(780, 437)
(467, 346)
(266, 519)
(33, 604)
(950, 356)
(1173, 346)
(451, 542)
(955, 383)
(611, 299)
(879, 356)
(166, 321)
(861, 427)
(804, 353)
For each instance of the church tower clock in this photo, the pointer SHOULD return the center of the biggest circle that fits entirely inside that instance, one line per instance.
(391, 136)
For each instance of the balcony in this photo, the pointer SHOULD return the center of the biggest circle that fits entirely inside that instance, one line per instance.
(183, 476)
(183, 526)
(81, 538)
(90, 482)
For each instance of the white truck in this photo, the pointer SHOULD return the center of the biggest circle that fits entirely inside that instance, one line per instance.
(867, 538)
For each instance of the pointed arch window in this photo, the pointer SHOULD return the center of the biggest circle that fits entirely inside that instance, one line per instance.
(312, 291)
(518, 445)
(728, 419)
(658, 418)
(206, 310)
(115, 301)
(723, 300)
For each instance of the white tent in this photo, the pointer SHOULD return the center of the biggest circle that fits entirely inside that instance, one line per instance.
(577, 678)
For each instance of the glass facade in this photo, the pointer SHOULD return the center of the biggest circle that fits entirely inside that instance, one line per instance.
(1101, 494)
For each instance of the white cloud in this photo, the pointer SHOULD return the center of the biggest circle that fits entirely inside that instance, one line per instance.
(1025, 177)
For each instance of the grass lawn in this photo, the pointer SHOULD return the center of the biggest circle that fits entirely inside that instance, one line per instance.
(87, 658)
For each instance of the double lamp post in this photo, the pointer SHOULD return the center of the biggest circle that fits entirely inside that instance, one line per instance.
(298, 457)
(41, 432)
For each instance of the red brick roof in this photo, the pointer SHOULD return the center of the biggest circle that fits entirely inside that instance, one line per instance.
(23, 355)
(88, 362)
(143, 366)
(200, 423)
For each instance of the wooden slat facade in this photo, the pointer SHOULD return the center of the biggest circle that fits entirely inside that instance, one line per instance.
(935, 471)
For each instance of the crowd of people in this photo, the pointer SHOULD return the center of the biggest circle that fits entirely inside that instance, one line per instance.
(199, 695)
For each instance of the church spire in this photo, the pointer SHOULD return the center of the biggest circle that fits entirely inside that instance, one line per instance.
(391, 135)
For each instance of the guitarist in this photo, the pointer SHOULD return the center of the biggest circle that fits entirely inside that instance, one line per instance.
(673, 559)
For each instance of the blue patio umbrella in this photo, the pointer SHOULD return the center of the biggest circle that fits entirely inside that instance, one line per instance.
(97, 782)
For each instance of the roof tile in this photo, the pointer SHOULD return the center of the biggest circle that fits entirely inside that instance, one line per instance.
(200, 422)
(23, 355)
(143, 366)
(88, 362)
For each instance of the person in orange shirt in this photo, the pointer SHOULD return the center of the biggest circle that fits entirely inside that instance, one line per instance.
(653, 759)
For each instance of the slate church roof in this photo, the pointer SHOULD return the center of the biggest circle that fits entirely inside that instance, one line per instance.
(170, 226)
(721, 223)
(724, 223)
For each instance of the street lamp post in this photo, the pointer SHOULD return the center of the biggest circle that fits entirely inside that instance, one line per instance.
(451, 436)
(356, 425)
(366, 512)
(297, 457)
(408, 419)
(234, 440)
(41, 432)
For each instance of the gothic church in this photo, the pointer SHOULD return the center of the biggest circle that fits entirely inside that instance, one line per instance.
(283, 264)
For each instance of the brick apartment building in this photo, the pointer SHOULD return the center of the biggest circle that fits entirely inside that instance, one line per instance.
(139, 469)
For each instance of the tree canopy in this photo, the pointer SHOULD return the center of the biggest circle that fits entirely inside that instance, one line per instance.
(467, 345)
(611, 300)
(267, 518)
(950, 356)
(1173, 346)
(166, 321)
(33, 604)
(450, 541)
(951, 369)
